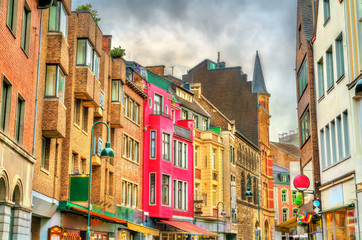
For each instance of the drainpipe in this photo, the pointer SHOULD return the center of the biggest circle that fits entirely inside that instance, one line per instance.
(37, 82)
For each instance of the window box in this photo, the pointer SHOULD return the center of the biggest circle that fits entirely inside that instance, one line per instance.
(54, 118)
(58, 51)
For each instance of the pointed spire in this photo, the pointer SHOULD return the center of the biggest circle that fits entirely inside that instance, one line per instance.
(258, 78)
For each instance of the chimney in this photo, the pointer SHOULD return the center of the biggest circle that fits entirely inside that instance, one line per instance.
(218, 57)
(107, 43)
(158, 70)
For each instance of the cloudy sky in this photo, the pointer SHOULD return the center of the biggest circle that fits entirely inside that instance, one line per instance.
(182, 33)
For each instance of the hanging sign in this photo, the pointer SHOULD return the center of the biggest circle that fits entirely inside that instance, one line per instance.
(301, 182)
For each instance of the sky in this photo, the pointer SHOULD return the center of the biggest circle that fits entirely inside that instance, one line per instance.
(182, 33)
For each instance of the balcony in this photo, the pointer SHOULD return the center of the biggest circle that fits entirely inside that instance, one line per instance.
(57, 52)
(181, 132)
(54, 118)
(87, 87)
(117, 115)
(118, 69)
(86, 26)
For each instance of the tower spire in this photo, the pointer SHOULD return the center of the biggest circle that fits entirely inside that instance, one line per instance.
(258, 78)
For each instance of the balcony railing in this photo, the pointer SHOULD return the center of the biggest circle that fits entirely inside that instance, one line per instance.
(181, 132)
(160, 113)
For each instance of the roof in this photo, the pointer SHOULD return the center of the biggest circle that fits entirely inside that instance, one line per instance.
(194, 106)
(258, 78)
(278, 168)
(306, 11)
(189, 227)
(288, 148)
(158, 81)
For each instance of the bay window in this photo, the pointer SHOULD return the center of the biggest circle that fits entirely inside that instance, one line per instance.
(87, 56)
(58, 19)
(54, 82)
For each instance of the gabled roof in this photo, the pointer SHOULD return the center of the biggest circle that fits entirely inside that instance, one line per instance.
(288, 148)
(194, 106)
(278, 168)
(306, 12)
(258, 78)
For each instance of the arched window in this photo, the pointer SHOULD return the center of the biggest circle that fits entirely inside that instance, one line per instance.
(266, 230)
(4, 186)
(243, 189)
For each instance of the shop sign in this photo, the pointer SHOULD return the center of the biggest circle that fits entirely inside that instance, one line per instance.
(301, 182)
(78, 185)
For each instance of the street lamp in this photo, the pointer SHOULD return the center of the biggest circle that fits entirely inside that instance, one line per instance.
(106, 152)
(249, 193)
(217, 216)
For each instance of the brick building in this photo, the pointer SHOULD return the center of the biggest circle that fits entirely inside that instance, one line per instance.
(19, 48)
(241, 161)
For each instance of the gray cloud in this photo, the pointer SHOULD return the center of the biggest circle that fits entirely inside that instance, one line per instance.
(182, 33)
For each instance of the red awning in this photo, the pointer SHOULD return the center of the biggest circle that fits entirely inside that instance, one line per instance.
(100, 216)
(189, 227)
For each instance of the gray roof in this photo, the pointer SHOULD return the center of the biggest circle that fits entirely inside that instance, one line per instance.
(278, 168)
(306, 12)
(258, 78)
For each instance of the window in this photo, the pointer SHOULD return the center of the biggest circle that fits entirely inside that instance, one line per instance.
(213, 159)
(131, 109)
(339, 57)
(153, 144)
(330, 74)
(54, 82)
(197, 187)
(305, 127)
(58, 19)
(166, 147)
(196, 121)
(232, 155)
(284, 195)
(284, 178)
(152, 188)
(204, 124)
(110, 183)
(157, 104)
(129, 196)
(87, 56)
(77, 105)
(243, 188)
(341, 224)
(83, 166)
(328, 146)
(345, 134)
(73, 163)
(131, 148)
(294, 195)
(295, 212)
(95, 65)
(196, 156)
(12, 15)
(322, 148)
(339, 137)
(173, 115)
(320, 78)
(180, 157)
(326, 8)
(19, 123)
(85, 119)
(165, 189)
(180, 195)
(117, 91)
(5, 105)
(184, 115)
(25, 31)
(45, 147)
(333, 141)
(285, 214)
(214, 196)
(303, 77)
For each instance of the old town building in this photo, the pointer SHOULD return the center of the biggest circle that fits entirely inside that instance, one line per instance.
(241, 170)
(19, 53)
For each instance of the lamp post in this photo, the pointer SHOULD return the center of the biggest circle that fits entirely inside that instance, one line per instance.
(249, 193)
(106, 152)
(217, 217)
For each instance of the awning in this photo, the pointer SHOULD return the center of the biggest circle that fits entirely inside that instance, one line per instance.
(143, 229)
(189, 227)
(336, 208)
(285, 226)
(99, 216)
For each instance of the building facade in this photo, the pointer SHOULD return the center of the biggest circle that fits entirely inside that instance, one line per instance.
(19, 33)
(334, 121)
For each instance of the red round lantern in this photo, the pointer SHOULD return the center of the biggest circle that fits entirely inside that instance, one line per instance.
(301, 182)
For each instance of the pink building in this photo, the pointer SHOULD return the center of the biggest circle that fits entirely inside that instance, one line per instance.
(168, 154)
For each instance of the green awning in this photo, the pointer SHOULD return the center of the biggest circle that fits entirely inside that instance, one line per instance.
(336, 208)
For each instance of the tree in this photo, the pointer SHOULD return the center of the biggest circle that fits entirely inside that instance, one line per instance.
(88, 7)
(118, 52)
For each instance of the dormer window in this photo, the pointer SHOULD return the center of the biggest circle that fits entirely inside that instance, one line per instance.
(284, 178)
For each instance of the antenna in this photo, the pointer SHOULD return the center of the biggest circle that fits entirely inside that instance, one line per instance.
(218, 57)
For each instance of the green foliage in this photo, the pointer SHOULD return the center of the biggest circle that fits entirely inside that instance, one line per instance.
(118, 52)
(88, 7)
(298, 201)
